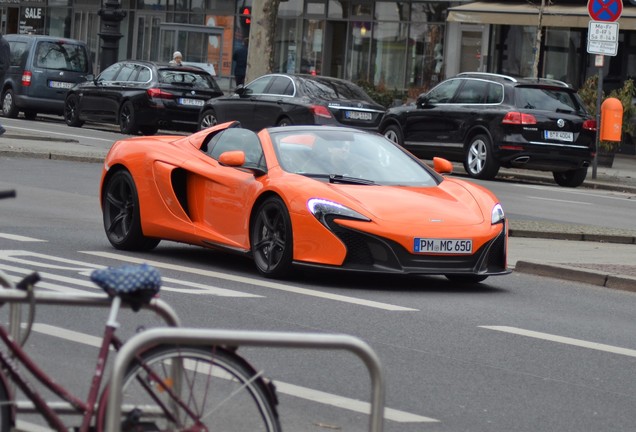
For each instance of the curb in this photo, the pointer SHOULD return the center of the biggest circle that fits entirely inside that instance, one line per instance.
(576, 274)
(38, 138)
(72, 157)
(553, 235)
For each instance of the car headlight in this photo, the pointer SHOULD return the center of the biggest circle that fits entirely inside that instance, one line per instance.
(497, 214)
(325, 210)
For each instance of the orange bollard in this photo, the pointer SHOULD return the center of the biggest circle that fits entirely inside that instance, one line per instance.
(611, 120)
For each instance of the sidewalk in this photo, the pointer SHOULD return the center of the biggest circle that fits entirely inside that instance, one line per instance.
(591, 254)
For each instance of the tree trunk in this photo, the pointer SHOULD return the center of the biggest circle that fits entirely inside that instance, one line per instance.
(260, 54)
(537, 42)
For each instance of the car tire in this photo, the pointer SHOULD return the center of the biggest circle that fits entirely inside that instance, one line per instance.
(9, 108)
(285, 121)
(208, 119)
(30, 115)
(127, 122)
(71, 111)
(465, 279)
(271, 238)
(571, 178)
(394, 133)
(121, 215)
(148, 130)
(479, 161)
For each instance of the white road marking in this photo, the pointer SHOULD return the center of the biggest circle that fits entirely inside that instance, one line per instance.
(251, 281)
(281, 386)
(559, 200)
(564, 340)
(30, 427)
(65, 134)
(20, 238)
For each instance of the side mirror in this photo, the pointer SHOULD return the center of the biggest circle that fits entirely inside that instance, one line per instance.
(233, 158)
(442, 166)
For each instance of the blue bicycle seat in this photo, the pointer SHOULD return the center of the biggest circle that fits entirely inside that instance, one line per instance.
(135, 284)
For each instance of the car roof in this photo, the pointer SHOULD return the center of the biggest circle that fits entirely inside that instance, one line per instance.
(164, 65)
(514, 80)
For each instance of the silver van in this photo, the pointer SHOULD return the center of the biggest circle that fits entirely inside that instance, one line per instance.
(42, 69)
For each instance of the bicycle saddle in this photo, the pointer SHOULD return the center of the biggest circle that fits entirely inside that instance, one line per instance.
(135, 284)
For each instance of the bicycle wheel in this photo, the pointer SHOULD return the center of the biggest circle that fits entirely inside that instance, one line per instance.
(191, 388)
(5, 408)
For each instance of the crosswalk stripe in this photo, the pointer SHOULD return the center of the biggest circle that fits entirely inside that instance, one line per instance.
(20, 238)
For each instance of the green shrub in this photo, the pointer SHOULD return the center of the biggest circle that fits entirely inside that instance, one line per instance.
(381, 94)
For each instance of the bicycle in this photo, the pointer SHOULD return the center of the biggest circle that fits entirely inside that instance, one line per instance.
(167, 387)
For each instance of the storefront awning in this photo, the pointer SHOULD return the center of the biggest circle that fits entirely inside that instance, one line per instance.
(526, 14)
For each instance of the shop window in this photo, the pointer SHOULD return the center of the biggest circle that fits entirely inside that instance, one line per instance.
(338, 9)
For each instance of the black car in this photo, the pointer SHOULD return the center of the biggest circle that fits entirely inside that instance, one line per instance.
(294, 99)
(41, 70)
(142, 96)
(488, 121)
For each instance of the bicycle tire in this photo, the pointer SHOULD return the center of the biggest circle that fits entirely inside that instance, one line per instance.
(220, 388)
(5, 407)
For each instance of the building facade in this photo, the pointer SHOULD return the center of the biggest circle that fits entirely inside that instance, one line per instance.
(407, 45)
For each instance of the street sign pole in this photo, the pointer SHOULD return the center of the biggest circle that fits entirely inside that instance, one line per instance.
(599, 96)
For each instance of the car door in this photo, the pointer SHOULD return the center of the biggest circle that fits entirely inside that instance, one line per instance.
(112, 92)
(431, 122)
(273, 103)
(243, 105)
(90, 96)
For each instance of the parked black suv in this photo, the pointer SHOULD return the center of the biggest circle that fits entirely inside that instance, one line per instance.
(488, 121)
(42, 69)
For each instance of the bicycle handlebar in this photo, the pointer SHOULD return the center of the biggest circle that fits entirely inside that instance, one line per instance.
(7, 194)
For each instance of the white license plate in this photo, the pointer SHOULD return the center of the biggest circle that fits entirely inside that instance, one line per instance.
(191, 102)
(357, 115)
(60, 84)
(559, 135)
(443, 246)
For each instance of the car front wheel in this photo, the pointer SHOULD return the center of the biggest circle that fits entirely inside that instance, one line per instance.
(127, 121)
(208, 119)
(572, 178)
(479, 162)
(394, 134)
(71, 111)
(271, 238)
(121, 216)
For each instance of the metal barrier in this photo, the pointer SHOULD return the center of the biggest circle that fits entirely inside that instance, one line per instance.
(192, 336)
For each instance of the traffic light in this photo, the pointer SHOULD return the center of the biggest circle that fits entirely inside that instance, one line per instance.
(246, 14)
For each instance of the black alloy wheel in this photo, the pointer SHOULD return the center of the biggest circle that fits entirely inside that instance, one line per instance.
(127, 122)
(122, 220)
(71, 111)
(271, 238)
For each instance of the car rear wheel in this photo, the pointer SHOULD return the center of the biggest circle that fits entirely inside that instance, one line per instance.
(572, 178)
(71, 111)
(394, 134)
(285, 121)
(9, 109)
(208, 119)
(479, 161)
(122, 220)
(127, 122)
(271, 238)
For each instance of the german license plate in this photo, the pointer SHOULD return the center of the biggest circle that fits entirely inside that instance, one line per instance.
(443, 246)
(559, 135)
(358, 115)
(60, 84)
(191, 102)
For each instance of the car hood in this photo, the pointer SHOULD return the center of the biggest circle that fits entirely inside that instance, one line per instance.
(449, 203)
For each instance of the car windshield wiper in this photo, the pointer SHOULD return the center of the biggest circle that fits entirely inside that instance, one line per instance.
(338, 178)
(564, 111)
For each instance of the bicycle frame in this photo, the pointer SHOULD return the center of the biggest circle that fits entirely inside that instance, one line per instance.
(87, 408)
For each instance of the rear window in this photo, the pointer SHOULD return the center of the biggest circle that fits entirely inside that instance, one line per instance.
(334, 90)
(60, 55)
(17, 52)
(188, 78)
(548, 99)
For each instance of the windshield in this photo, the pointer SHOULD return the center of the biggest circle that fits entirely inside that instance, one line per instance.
(346, 155)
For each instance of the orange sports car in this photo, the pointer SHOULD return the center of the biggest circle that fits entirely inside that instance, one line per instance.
(302, 195)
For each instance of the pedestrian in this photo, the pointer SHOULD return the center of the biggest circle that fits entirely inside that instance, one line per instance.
(240, 62)
(177, 59)
(4, 65)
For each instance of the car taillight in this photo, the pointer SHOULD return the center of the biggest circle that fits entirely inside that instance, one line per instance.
(514, 117)
(589, 125)
(26, 78)
(320, 111)
(159, 94)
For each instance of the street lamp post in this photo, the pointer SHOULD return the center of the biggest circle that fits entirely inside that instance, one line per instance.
(111, 15)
